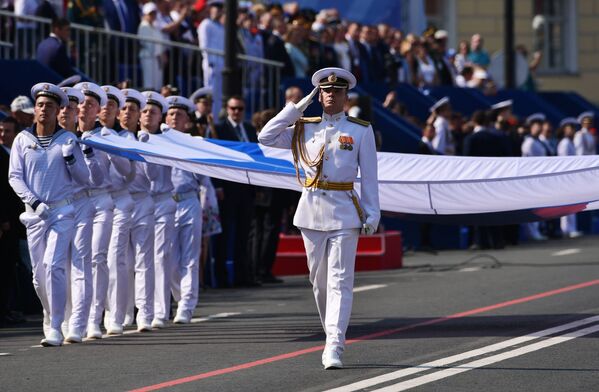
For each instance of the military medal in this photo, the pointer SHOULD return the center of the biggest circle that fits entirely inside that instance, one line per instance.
(346, 143)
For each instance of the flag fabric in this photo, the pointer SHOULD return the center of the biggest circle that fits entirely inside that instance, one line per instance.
(450, 189)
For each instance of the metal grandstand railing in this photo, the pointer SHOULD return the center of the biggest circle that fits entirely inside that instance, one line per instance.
(107, 56)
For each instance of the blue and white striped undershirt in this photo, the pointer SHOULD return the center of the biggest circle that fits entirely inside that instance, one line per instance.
(45, 140)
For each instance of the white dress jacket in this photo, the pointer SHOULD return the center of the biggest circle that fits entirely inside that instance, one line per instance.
(326, 210)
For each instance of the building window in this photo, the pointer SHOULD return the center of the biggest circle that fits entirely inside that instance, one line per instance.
(555, 35)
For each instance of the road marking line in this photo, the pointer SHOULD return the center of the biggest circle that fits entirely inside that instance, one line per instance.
(439, 375)
(566, 252)
(214, 316)
(293, 354)
(369, 287)
(470, 269)
(4, 354)
(462, 356)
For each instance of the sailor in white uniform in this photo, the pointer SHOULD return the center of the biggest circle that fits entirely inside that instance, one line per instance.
(187, 240)
(330, 149)
(141, 242)
(443, 141)
(121, 173)
(99, 197)
(79, 270)
(533, 147)
(44, 161)
(584, 141)
(211, 34)
(566, 147)
(161, 189)
(121, 292)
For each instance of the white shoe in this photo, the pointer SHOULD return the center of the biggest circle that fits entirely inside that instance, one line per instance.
(183, 317)
(158, 323)
(73, 337)
(143, 327)
(94, 331)
(53, 338)
(114, 329)
(128, 320)
(331, 359)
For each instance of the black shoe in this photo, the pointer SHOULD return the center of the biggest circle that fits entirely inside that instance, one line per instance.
(270, 279)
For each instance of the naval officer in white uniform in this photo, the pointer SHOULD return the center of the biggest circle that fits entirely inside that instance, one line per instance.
(330, 149)
(44, 161)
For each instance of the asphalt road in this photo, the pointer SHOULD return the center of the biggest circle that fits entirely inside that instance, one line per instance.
(511, 320)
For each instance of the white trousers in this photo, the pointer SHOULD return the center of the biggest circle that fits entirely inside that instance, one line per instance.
(141, 261)
(186, 254)
(331, 260)
(49, 241)
(151, 73)
(164, 233)
(213, 78)
(102, 229)
(568, 224)
(80, 271)
(118, 273)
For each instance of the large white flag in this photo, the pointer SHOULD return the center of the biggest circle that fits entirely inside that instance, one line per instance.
(433, 188)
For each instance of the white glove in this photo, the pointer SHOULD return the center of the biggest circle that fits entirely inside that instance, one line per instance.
(105, 131)
(143, 136)
(368, 229)
(86, 135)
(42, 210)
(306, 101)
(67, 149)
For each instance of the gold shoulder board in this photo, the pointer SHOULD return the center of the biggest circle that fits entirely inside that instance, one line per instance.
(310, 119)
(358, 121)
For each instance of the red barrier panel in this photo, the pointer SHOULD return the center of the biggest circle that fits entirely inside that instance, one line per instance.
(375, 252)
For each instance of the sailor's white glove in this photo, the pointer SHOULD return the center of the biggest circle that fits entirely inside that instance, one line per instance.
(86, 135)
(306, 101)
(42, 210)
(67, 150)
(105, 131)
(143, 136)
(368, 229)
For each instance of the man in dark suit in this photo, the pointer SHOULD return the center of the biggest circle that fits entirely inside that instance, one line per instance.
(482, 142)
(52, 51)
(236, 204)
(122, 15)
(372, 62)
(11, 229)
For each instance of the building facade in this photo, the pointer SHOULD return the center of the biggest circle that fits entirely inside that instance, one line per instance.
(566, 32)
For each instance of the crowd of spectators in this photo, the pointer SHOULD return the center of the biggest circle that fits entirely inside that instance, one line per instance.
(302, 39)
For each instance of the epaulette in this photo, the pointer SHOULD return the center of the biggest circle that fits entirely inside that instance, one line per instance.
(358, 121)
(310, 119)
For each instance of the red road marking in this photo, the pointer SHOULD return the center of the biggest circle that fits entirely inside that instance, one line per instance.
(375, 335)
